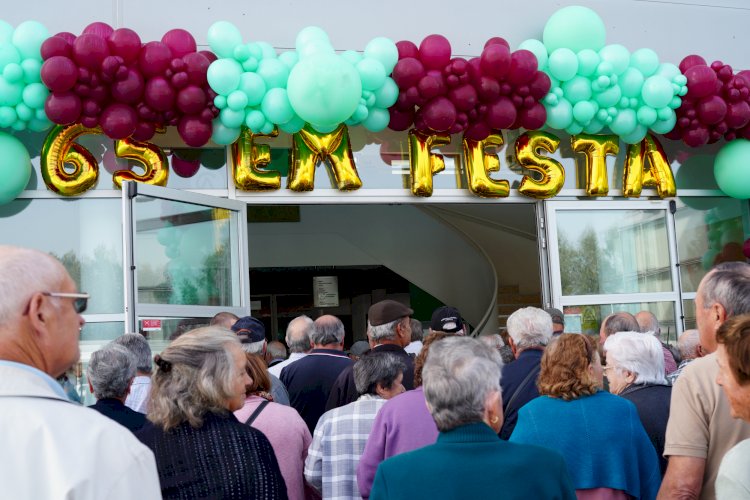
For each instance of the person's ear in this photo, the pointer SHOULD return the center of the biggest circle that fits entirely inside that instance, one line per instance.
(380, 390)
(493, 410)
(40, 313)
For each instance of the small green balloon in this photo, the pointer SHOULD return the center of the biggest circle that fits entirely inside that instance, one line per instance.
(237, 100)
(276, 106)
(9, 54)
(254, 88)
(668, 71)
(577, 89)
(646, 116)
(377, 120)
(224, 75)
(231, 118)
(15, 168)
(223, 37)
(7, 116)
(24, 112)
(10, 93)
(732, 169)
(251, 64)
(28, 38)
(241, 53)
(560, 116)
(267, 128)
(631, 82)
(289, 58)
(584, 112)
(220, 101)
(537, 48)
(224, 135)
(387, 95)
(267, 51)
(38, 125)
(13, 73)
(624, 123)
(594, 127)
(255, 120)
(293, 126)
(563, 64)
(636, 136)
(34, 95)
(31, 70)
(609, 97)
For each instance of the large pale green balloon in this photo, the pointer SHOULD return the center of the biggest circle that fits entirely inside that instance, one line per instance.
(223, 37)
(224, 75)
(560, 116)
(575, 28)
(28, 38)
(15, 168)
(324, 90)
(732, 169)
(384, 51)
(311, 34)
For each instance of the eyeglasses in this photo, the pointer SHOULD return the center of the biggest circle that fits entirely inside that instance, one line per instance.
(80, 300)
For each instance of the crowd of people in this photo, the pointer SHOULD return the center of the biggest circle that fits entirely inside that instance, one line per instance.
(222, 412)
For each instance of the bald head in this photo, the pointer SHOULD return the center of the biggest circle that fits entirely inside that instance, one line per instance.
(224, 319)
(689, 345)
(617, 322)
(328, 333)
(298, 334)
(647, 322)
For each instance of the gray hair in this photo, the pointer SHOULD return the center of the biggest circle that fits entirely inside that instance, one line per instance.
(298, 334)
(195, 375)
(24, 272)
(328, 330)
(493, 340)
(728, 284)
(276, 349)
(138, 345)
(254, 347)
(530, 327)
(688, 344)
(647, 323)
(639, 354)
(621, 321)
(416, 330)
(111, 370)
(386, 331)
(458, 376)
(375, 368)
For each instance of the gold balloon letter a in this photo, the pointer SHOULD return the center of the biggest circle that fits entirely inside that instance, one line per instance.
(59, 149)
(247, 157)
(311, 147)
(155, 163)
(479, 163)
(422, 162)
(596, 148)
(552, 173)
(658, 174)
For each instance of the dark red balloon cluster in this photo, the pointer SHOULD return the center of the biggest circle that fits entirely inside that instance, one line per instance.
(107, 78)
(717, 103)
(498, 90)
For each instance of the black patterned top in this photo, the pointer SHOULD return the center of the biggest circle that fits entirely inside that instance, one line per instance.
(222, 459)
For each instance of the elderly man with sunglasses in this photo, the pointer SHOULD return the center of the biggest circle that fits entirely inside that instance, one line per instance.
(60, 449)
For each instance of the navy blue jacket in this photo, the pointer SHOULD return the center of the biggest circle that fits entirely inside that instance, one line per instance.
(117, 411)
(652, 402)
(513, 375)
(309, 381)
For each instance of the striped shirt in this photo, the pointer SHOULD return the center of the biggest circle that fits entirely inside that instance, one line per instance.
(338, 442)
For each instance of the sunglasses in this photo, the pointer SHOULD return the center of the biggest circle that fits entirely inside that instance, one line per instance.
(80, 300)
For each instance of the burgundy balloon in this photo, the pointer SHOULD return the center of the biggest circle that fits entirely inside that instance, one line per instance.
(696, 137)
(407, 49)
(408, 72)
(496, 40)
(180, 42)
(159, 95)
(89, 50)
(196, 66)
(90, 121)
(495, 61)
(463, 97)
(118, 121)
(711, 110)
(403, 103)
(439, 114)
(110, 65)
(56, 46)
(63, 108)
(194, 132)
(125, 43)
(99, 93)
(523, 67)
(701, 81)
(59, 73)
(130, 90)
(738, 114)
(488, 89)
(501, 114)
(540, 85)
(67, 35)
(475, 69)
(185, 168)
(533, 117)
(208, 55)
(144, 131)
(100, 29)
(690, 61)
(477, 131)
(435, 52)
(154, 59)
(180, 80)
(191, 100)
(431, 86)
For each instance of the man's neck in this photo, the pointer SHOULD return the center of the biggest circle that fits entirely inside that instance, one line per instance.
(333, 347)
(388, 342)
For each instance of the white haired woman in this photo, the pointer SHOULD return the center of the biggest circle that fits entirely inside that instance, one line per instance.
(201, 450)
(635, 370)
(462, 390)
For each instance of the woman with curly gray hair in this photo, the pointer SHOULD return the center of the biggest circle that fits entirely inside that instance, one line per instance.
(201, 450)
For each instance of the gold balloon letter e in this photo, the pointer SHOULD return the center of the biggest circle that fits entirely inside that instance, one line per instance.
(247, 157)
(479, 163)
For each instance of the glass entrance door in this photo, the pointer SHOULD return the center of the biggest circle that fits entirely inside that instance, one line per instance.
(185, 260)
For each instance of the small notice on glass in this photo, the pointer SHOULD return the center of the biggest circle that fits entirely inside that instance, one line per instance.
(151, 325)
(326, 291)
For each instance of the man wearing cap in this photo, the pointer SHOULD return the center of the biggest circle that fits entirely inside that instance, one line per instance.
(529, 331)
(252, 334)
(558, 321)
(358, 349)
(53, 448)
(309, 380)
(447, 319)
(389, 330)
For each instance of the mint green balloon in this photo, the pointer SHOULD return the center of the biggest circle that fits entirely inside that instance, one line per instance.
(15, 168)
(664, 113)
(255, 50)
(577, 89)
(646, 116)
(617, 55)
(231, 118)
(574, 128)
(594, 127)
(576, 28)
(28, 38)
(636, 136)
(584, 111)
(372, 74)
(309, 35)
(7, 116)
(669, 71)
(588, 60)
(220, 101)
(267, 128)
(24, 112)
(6, 32)
(34, 95)
(387, 94)
(9, 54)
(223, 37)
(273, 72)
(563, 64)
(645, 60)
(624, 123)
(13, 73)
(314, 48)
(253, 87)
(293, 126)
(732, 169)
(255, 120)
(224, 135)
(657, 91)
(664, 126)
(631, 82)
(289, 58)
(31, 70)
(241, 53)
(609, 97)
(324, 90)
(10, 93)
(384, 51)
(236, 100)
(377, 120)
(224, 75)
(352, 56)
(537, 48)
(323, 129)
(38, 125)
(267, 51)
(251, 64)
(276, 106)
(560, 116)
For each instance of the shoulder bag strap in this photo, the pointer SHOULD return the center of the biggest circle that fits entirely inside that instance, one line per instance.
(531, 376)
(255, 414)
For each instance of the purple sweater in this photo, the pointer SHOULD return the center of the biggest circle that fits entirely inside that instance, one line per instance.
(402, 424)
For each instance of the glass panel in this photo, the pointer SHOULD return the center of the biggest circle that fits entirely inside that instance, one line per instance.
(85, 234)
(613, 251)
(588, 319)
(709, 231)
(688, 309)
(184, 253)
(167, 330)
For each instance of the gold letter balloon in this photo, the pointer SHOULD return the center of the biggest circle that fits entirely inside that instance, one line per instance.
(58, 149)
(155, 163)
(247, 157)
(552, 173)
(658, 174)
(423, 163)
(479, 163)
(311, 147)
(596, 148)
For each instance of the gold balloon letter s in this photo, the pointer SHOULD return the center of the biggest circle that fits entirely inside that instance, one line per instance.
(479, 163)
(553, 174)
(59, 149)
(658, 174)
(596, 148)
(311, 147)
